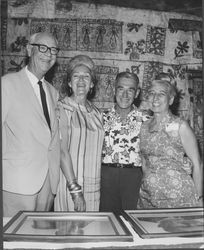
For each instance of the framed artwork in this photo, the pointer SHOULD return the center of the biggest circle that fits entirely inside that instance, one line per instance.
(66, 227)
(158, 223)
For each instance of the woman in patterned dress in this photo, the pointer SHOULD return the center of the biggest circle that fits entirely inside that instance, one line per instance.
(164, 140)
(82, 134)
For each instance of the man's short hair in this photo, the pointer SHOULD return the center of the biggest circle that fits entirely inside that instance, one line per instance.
(129, 75)
(34, 37)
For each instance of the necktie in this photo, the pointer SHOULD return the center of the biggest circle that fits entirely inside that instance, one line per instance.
(44, 103)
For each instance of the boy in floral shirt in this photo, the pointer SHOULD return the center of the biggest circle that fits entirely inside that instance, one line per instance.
(121, 171)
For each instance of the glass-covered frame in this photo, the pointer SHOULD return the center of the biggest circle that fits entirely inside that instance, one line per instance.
(66, 227)
(157, 223)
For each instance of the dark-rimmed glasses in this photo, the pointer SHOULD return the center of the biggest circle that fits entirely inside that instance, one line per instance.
(44, 48)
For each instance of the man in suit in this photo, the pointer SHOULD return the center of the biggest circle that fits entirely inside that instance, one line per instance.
(31, 150)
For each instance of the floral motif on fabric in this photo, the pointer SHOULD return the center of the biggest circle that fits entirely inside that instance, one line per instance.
(167, 181)
(121, 143)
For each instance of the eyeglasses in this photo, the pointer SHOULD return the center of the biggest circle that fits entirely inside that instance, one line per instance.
(44, 48)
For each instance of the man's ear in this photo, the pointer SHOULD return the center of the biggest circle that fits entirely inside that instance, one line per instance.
(137, 92)
(29, 49)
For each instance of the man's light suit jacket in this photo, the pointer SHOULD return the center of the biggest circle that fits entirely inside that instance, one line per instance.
(29, 147)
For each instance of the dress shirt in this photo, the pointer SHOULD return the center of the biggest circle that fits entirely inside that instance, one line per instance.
(34, 83)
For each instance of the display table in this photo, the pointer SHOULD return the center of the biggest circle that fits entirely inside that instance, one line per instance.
(138, 243)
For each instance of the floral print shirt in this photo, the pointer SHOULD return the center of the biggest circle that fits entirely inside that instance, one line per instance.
(121, 142)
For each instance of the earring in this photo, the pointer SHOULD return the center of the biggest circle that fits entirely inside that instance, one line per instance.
(70, 90)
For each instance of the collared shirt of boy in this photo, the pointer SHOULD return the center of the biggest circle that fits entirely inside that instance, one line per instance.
(121, 142)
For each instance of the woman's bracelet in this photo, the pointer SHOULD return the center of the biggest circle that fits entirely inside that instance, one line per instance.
(74, 186)
(76, 191)
(76, 194)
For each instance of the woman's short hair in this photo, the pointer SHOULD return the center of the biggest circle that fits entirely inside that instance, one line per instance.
(79, 60)
(171, 88)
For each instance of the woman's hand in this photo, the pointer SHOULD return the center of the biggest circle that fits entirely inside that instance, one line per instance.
(77, 196)
(200, 201)
(79, 202)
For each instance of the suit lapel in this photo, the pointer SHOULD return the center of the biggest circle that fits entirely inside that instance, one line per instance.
(32, 98)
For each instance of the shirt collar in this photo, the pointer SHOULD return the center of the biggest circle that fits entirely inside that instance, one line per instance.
(134, 108)
(33, 79)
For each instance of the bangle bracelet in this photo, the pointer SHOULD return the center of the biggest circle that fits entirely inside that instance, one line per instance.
(74, 186)
(76, 191)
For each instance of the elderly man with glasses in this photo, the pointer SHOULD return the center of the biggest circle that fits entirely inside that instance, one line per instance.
(31, 145)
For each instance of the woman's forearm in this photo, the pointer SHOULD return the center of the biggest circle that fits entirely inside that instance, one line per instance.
(198, 178)
(67, 167)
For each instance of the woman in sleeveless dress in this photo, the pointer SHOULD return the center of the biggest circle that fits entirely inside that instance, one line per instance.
(164, 141)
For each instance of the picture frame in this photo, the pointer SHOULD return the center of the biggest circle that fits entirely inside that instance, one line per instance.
(66, 227)
(157, 223)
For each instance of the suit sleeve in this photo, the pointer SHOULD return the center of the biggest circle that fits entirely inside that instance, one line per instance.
(6, 97)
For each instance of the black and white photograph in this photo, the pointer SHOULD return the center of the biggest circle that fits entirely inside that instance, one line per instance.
(102, 112)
